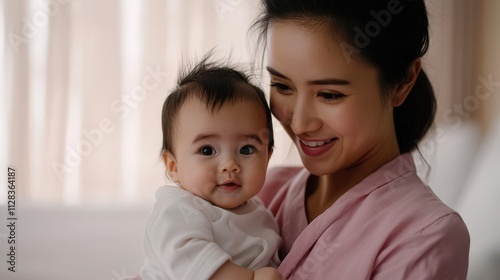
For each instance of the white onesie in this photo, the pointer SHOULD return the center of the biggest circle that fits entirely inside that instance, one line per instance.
(187, 237)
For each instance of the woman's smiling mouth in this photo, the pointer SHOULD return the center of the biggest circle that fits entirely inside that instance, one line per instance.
(316, 148)
(313, 144)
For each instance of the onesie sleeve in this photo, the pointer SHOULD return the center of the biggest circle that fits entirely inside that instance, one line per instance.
(438, 251)
(178, 242)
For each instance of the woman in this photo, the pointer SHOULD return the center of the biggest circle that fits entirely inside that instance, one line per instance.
(348, 87)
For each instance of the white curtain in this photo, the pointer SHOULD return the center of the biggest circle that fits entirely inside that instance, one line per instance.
(83, 83)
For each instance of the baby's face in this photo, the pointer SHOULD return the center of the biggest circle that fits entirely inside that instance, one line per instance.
(221, 156)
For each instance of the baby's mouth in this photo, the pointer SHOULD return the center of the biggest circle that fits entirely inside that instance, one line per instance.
(229, 185)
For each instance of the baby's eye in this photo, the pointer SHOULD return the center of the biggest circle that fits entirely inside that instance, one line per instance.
(247, 150)
(207, 151)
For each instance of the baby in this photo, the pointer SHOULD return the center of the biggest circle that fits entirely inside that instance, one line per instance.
(217, 141)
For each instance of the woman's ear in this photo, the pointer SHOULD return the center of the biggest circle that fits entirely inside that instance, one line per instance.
(404, 88)
(171, 166)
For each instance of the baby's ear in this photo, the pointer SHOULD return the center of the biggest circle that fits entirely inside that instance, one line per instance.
(269, 154)
(171, 166)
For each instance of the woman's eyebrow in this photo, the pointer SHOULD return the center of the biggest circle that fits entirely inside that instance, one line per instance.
(329, 81)
(276, 73)
(326, 81)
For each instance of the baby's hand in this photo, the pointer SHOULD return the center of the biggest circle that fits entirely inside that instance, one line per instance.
(267, 273)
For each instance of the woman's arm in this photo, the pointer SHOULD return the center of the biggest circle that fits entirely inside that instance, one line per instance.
(230, 270)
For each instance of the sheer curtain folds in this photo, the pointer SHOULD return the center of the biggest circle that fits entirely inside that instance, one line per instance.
(82, 83)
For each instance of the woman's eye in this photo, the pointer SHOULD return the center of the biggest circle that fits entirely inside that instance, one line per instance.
(331, 96)
(207, 151)
(281, 88)
(247, 150)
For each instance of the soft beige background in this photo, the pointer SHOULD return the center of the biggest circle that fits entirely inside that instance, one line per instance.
(74, 68)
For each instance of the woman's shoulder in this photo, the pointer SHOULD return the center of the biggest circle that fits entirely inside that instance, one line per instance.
(412, 205)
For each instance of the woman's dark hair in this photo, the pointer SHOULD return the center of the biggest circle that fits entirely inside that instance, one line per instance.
(215, 84)
(389, 35)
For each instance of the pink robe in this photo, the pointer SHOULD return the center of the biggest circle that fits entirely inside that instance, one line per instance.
(389, 226)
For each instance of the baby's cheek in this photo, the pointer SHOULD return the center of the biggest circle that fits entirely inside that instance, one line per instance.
(255, 175)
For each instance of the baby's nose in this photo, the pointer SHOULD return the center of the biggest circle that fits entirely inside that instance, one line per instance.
(230, 166)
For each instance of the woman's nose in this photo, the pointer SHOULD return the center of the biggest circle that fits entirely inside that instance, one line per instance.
(229, 165)
(303, 117)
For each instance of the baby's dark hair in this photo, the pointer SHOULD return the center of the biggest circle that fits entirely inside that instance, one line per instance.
(215, 84)
(389, 35)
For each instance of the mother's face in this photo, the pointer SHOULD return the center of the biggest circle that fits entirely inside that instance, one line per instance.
(328, 100)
